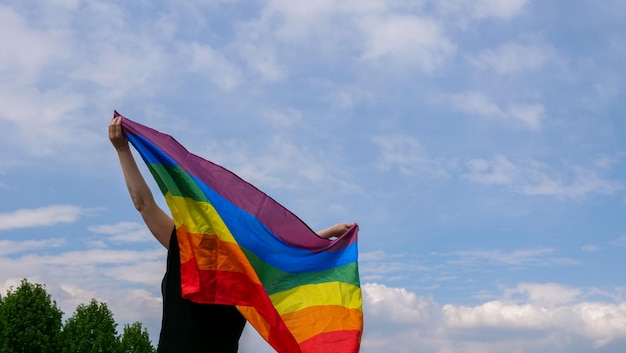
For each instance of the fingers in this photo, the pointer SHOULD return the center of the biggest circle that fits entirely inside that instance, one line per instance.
(116, 136)
(344, 226)
(115, 127)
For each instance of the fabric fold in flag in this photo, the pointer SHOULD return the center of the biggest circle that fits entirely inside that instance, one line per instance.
(239, 247)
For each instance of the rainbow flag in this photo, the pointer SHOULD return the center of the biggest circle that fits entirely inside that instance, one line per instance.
(240, 247)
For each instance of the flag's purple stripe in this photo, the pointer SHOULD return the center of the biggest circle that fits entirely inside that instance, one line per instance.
(280, 221)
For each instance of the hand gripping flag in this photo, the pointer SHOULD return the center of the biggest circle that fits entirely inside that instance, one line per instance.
(240, 247)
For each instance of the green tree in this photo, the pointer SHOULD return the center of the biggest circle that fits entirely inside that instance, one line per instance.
(91, 329)
(136, 339)
(30, 320)
(2, 324)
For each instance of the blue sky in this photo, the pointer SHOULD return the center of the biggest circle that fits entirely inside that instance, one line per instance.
(479, 145)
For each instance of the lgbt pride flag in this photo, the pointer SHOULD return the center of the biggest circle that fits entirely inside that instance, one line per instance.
(240, 247)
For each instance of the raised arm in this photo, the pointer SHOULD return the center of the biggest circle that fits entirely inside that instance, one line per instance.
(335, 231)
(159, 222)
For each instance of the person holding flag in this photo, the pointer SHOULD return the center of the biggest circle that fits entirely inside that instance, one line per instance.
(187, 326)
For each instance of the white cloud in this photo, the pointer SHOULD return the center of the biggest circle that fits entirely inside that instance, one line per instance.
(545, 294)
(211, 63)
(297, 20)
(535, 178)
(104, 52)
(83, 264)
(262, 60)
(121, 227)
(620, 241)
(372, 255)
(127, 305)
(41, 217)
(378, 32)
(125, 61)
(483, 9)
(590, 248)
(284, 118)
(399, 320)
(405, 153)
(26, 50)
(234, 155)
(599, 323)
(476, 103)
(602, 322)
(321, 19)
(497, 8)
(256, 171)
(148, 272)
(41, 120)
(409, 40)
(61, 56)
(77, 295)
(513, 258)
(124, 232)
(529, 114)
(377, 265)
(63, 4)
(396, 305)
(498, 171)
(97, 257)
(280, 163)
(495, 314)
(608, 161)
(344, 96)
(512, 58)
(8, 247)
(128, 281)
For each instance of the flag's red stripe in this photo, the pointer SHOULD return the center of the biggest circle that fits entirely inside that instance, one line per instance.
(347, 341)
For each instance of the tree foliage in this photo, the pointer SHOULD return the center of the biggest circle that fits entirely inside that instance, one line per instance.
(91, 329)
(135, 339)
(29, 320)
(2, 325)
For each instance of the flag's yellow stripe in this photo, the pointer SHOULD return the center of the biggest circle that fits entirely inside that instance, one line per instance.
(206, 238)
(198, 217)
(320, 294)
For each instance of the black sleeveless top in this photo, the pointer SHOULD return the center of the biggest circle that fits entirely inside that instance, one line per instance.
(189, 327)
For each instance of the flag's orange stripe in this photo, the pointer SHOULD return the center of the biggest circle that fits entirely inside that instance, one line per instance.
(212, 254)
(256, 320)
(311, 321)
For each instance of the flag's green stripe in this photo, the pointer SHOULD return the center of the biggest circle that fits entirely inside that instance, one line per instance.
(177, 181)
(275, 280)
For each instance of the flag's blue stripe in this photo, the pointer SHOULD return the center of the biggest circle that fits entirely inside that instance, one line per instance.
(252, 235)
(150, 153)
